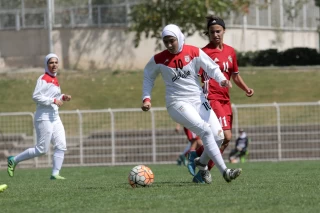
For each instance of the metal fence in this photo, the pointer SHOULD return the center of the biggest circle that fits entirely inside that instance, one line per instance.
(262, 14)
(278, 132)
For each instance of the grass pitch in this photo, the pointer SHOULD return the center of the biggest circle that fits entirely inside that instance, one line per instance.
(262, 187)
(103, 89)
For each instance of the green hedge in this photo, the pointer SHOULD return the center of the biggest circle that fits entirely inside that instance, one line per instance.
(299, 56)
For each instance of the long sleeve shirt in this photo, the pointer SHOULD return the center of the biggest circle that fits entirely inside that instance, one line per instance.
(180, 73)
(45, 93)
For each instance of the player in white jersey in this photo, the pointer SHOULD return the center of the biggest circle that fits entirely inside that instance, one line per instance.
(185, 101)
(48, 125)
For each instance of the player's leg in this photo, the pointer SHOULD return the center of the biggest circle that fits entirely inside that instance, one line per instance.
(44, 133)
(187, 115)
(182, 160)
(232, 155)
(59, 144)
(211, 118)
(194, 141)
(223, 113)
(226, 123)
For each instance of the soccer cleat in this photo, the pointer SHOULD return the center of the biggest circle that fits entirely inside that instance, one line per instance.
(231, 174)
(203, 171)
(197, 178)
(3, 187)
(11, 166)
(57, 177)
(191, 166)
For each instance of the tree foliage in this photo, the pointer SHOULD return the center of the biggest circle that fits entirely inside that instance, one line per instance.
(149, 17)
(317, 2)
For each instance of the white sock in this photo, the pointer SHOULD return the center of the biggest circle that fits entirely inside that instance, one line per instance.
(58, 157)
(204, 158)
(212, 150)
(26, 155)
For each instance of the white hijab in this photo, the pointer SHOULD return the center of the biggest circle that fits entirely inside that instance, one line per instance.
(51, 55)
(174, 30)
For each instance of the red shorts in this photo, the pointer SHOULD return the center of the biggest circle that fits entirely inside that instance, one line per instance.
(224, 113)
(190, 135)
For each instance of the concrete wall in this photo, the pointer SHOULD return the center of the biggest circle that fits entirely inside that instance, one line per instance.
(98, 48)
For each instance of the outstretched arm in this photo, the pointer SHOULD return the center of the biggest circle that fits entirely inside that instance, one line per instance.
(242, 85)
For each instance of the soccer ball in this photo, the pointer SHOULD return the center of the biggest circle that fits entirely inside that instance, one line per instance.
(140, 176)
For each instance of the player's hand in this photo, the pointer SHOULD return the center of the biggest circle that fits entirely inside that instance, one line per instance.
(226, 83)
(146, 106)
(58, 102)
(67, 97)
(177, 129)
(250, 92)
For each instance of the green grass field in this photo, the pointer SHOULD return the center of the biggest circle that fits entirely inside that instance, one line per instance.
(262, 187)
(119, 89)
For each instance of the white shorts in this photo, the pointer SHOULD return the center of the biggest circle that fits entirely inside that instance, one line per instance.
(50, 131)
(194, 115)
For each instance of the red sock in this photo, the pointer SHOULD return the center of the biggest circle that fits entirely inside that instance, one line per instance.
(200, 150)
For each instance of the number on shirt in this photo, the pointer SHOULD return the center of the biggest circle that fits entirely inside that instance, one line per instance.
(206, 105)
(223, 121)
(225, 67)
(178, 64)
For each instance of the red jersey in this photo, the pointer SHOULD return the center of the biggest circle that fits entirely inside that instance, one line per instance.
(227, 61)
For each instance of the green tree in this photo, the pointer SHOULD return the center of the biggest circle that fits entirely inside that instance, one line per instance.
(149, 17)
(317, 2)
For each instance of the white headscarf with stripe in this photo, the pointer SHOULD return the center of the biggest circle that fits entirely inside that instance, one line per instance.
(51, 55)
(174, 30)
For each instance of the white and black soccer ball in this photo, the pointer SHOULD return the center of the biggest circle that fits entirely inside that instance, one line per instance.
(140, 176)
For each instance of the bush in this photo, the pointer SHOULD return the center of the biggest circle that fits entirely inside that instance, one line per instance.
(267, 57)
(299, 56)
(245, 58)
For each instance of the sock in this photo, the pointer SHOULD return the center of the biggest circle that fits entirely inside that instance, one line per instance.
(211, 163)
(26, 155)
(200, 150)
(204, 158)
(58, 157)
(211, 149)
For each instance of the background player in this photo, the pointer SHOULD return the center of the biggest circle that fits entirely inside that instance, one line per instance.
(47, 122)
(218, 97)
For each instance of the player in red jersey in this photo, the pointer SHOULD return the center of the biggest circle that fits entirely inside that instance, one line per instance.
(225, 56)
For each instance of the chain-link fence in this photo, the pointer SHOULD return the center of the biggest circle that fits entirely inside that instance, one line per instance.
(262, 14)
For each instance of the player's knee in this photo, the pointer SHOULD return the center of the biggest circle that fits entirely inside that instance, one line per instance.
(219, 136)
(40, 151)
(206, 130)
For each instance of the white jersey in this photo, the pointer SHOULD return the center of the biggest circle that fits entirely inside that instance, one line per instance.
(46, 91)
(180, 73)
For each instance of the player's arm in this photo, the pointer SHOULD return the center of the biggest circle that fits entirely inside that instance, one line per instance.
(242, 85)
(237, 78)
(65, 97)
(149, 76)
(212, 69)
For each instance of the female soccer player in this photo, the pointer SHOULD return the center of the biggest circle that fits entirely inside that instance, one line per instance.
(186, 104)
(218, 97)
(48, 125)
